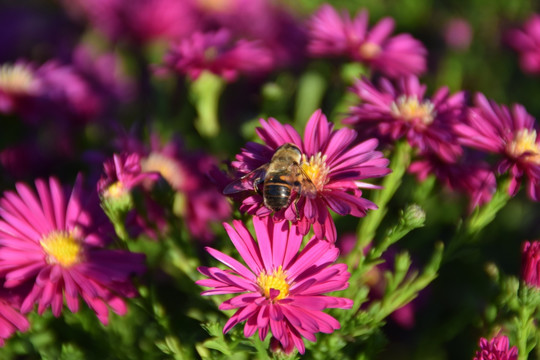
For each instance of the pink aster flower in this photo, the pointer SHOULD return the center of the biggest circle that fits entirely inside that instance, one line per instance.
(53, 244)
(218, 53)
(403, 111)
(530, 267)
(496, 349)
(526, 42)
(282, 288)
(332, 161)
(201, 203)
(468, 176)
(511, 134)
(123, 173)
(11, 320)
(18, 84)
(138, 21)
(332, 34)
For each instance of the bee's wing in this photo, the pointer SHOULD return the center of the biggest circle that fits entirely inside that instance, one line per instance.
(246, 182)
(307, 188)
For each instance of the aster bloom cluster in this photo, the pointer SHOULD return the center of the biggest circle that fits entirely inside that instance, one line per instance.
(282, 289)
(334, 163)
(268, 180)
(334, 34)
(496, 349)
(526, 41)
(53, 246)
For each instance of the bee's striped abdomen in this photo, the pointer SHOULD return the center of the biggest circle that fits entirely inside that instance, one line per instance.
(277, 192)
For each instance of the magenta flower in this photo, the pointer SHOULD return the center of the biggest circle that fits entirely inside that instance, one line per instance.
(526, 42)
(18, 84)
(511, 134)
(281, 289)
(11, 319)
(334, 164)
(458, 34)
(200, 202)
(403, 111)
(123, 173)
(530, 267)
(52, 244)
(218, 53)
(496, 349)
(332, 34)
(138, 21)
(468, 176)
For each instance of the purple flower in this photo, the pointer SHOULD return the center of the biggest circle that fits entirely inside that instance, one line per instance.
(281, 288)
(332, 34)
(11, 319)
(53, 244)
(403, 111)
(469, 176)
(526, 42)
(138, 21)
(511, 134)
(530, 267)
(332, 160)
(187, 172)
(18, 84)
(458, 34)
(218, 53)
(123, 173)
(496, 349)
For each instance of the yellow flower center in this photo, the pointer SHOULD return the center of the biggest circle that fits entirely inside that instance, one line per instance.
(115, 190)
(369, 50)
(277, 281)
(16, 79)
(61, 248)
(409, 109)
(214, 5)
(525, 143)
(316, 169)
(167, 167)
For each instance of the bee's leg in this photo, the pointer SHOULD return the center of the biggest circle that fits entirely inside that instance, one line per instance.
(298, 188)
(256, 184)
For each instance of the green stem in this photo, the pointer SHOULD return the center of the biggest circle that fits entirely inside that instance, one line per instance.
(368, 226)
(205, 93)
(478, 220)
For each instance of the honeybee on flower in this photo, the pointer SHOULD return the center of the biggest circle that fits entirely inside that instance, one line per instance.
(325, 167)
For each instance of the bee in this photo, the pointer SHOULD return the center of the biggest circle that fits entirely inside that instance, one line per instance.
(282, 177)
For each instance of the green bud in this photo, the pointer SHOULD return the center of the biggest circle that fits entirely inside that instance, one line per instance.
(414, 216)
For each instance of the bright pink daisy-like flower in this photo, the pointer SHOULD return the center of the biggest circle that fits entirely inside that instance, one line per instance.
(52, 244)
(332, 34)
(218, 53)
(496, 349)
(403, 111)
(530, 267)
(11, 320)
(281, 288)
(334, 164)
(509, 133)
(526, 42)
(123, 173)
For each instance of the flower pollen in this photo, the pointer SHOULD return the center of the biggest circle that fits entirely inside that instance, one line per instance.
(167, 167)
(369, 50)
(524, 144)
(316, 169)
(276, 281)
(62, 248)
(115, 190)
(16, 79)
(410, 109)
(214, 5)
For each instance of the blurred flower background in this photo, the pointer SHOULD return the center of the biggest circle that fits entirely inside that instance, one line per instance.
(151, 100)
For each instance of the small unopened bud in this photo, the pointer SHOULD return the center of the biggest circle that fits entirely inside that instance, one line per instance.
(414, 216)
